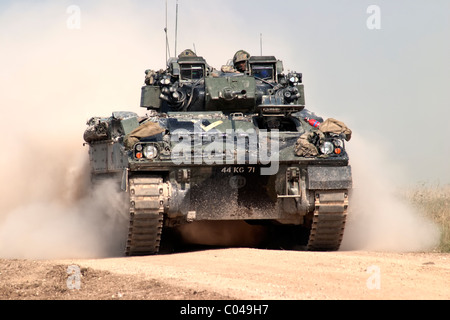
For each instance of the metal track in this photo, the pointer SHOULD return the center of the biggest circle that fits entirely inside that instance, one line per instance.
(146, 216)
(330, 215)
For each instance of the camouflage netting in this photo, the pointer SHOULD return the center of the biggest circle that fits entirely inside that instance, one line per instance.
(335, 126)
(147, 129)
(97, 130)
(304, 146)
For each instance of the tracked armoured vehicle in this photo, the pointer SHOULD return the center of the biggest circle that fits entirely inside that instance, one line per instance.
(224, 145)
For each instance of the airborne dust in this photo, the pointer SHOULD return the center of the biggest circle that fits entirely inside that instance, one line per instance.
(55, 79)
(379, 219)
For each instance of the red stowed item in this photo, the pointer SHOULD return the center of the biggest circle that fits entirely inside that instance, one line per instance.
(313, 123)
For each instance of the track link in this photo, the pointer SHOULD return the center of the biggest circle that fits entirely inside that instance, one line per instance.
(146, 216)
(330, 215)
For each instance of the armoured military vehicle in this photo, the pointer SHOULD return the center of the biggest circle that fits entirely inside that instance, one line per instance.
(218, 145)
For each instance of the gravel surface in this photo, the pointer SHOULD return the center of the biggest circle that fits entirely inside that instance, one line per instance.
(232, 274)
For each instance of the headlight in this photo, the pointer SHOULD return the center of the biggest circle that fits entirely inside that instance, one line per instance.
(327, 148)
(338, 146)
(150, 152)
(338, 143)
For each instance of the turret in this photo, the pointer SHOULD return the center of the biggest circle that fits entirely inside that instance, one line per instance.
(189, 84)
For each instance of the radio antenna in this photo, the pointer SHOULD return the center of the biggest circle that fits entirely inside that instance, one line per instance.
(176, 30)
(261, 42)
(167, 38)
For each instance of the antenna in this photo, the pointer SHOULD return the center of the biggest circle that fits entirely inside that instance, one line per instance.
(167, 37)
(176, 30)
(261, 42)
(195, 50)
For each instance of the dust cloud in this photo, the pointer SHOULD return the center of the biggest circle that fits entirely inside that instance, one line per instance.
(48, 208)
(92, 226)
(222, 234)
(379, 219)
(54, 79)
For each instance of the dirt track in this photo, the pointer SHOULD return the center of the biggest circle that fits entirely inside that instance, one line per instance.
(235, 274)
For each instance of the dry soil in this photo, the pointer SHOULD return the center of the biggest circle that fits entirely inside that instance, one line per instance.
(234, 274)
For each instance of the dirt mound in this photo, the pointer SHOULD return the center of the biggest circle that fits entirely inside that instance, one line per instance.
(43, 280)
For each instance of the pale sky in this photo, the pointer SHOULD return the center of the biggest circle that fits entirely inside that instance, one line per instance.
(388, 84)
